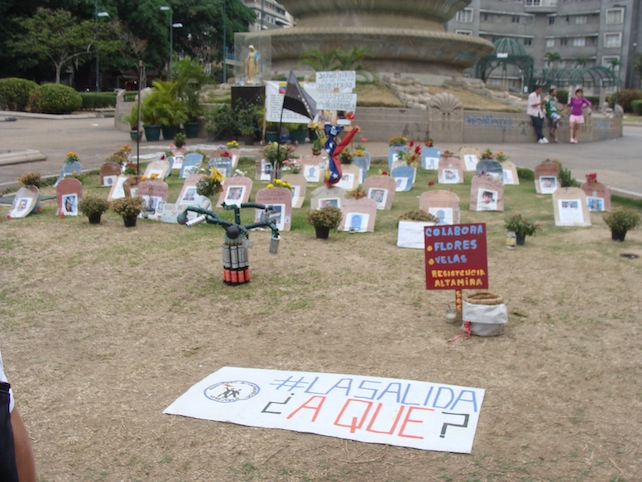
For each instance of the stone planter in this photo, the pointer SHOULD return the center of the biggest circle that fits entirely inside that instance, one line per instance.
(152, 132)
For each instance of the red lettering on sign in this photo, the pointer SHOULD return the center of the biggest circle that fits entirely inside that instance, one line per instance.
(308, 405)
(354, 425)
(374, 419)
(408, 420)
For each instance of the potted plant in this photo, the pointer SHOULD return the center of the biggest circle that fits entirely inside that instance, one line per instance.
(211, 184)
(93, 207)
(397, 141)
(134, 127)
(129, 208)
(31, 179)
(179, 140)
(620, 220)
(317, 147)
(163, 107)
(324, 219)
(521, 226)
(190, 78)
(298, 132)
(275, 154)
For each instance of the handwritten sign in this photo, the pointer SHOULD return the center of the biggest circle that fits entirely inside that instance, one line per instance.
(407, 413)
(456, 257)
(338, 80)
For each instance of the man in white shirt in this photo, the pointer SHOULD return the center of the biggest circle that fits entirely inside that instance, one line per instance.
(536, 111)
(23, 468)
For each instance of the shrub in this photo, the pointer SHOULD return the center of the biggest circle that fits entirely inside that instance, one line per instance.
(325, 217)
(97, 100)
(55, 99)
(221, 121)
(92, 205)
(418, 215)
(562, 96)
(15, 93)
(636, 106)
(625, 98)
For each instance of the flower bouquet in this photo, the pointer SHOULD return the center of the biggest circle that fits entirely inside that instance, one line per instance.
(210, 184)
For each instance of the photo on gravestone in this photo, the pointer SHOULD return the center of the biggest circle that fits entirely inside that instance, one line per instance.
(150, 202)
(189, 195)
(444, 215)
(70, 204)
(595, 204)
(356, 222)
(378, 195)
(548, 184)
(277, 215)
(470, 162)
(450, 176)
(347, 182)
(329, 202)
(109, 180)
(266, 171)
(486, 200)
(402, 183)
(20, 207)
(507, 177)
(311, 173)
(570, 212)
(234, 195)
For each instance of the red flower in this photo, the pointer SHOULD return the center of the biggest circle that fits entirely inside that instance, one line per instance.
(418, 149)
(363, 139)
(431, 183)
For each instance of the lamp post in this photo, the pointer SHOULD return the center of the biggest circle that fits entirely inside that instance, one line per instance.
(224, 42)
(619, 71)
(172, 26)
(97, 16)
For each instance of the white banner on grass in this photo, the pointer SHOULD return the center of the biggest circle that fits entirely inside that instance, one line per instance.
(407, 413)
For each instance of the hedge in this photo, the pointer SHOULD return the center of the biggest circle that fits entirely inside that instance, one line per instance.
(97, 100)
(55, 99)
(15, 93)
(636, 106)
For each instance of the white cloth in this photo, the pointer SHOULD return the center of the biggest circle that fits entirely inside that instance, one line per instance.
(3, 378)
(535, 105)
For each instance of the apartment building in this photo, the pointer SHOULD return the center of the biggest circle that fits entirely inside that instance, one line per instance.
(576, 33)
(269, 14)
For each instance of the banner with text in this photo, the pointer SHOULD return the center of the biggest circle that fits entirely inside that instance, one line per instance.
(456, 257)
(406, 413)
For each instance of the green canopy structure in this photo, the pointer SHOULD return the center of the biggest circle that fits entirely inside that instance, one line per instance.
(589, 77)
(507, 52)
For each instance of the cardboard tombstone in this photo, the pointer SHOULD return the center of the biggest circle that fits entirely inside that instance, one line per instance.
(490, 167)
(327, 196)
(280, 199)
(363, 165)
(235, 155)
(158, 169)
(188, 193)
(191, 164)
(430, 158)
(410, 234)
(263, 170)
(299, 188)
(236, 190)
(381, 189)
(442, 204)
(130, 186)
(176, 162)
(450, 171)
(313, 168)
(153, 193)
(570, 207)
(486, 193)
(509, 173)
(359, 215)
(470, 157)
(118, 188)
(67, 169)
(349, 178)
(404, 177)
(223, 164)
(109, 173)
(547, 177)
(24, 202)
(598, 196)
(393, 154)
(68, 195)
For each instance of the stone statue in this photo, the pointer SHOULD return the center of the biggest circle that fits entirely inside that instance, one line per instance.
(252, 65)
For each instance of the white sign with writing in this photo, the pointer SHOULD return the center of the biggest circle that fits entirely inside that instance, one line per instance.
(336, 81)
(407, 413)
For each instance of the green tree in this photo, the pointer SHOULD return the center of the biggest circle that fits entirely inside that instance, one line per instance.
(59, 37)
(336, 59)
(554, 58)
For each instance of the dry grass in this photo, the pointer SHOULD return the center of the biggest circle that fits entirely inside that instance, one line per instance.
(103, 327)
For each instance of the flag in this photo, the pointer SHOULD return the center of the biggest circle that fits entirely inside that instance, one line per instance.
(335, 171)
(297, 100)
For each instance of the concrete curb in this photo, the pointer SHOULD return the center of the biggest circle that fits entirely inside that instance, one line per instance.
(19, 157)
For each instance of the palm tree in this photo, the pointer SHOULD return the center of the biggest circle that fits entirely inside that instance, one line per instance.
(581, 62)
(553, 58)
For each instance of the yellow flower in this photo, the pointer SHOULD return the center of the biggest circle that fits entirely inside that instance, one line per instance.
(270, 186)
(154, 175)
(144, 178)
(278, 181)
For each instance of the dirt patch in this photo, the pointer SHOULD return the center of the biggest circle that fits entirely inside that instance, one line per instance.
(103, 327)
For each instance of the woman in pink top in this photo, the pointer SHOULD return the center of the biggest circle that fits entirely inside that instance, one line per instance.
(576, 104)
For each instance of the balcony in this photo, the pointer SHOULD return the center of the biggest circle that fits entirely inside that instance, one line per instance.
(540, 6)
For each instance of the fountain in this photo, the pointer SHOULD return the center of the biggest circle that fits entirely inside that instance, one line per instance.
(402, 37)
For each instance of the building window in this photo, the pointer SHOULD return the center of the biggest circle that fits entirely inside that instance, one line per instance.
(515, 19)
(551, 20)
(550, 42)
(579, 42)
(580, 19)
(615, 15)
(464, 32)
(563, 42)
(485, 17)
(607, 61)
(612, 40)
(464, 16)
(528, 41)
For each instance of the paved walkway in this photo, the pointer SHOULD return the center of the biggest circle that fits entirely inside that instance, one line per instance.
(618, 162)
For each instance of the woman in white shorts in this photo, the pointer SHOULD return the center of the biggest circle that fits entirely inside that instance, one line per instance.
(576, 105)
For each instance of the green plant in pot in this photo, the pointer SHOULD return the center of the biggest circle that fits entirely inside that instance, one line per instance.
(163, 107)
(93, 207)
(132, 120)
(324, 219)
(621, 220)
(298, 132)
(317, 146)
(190, 78)
(129, 208)
(179, 140)
(521, 226)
